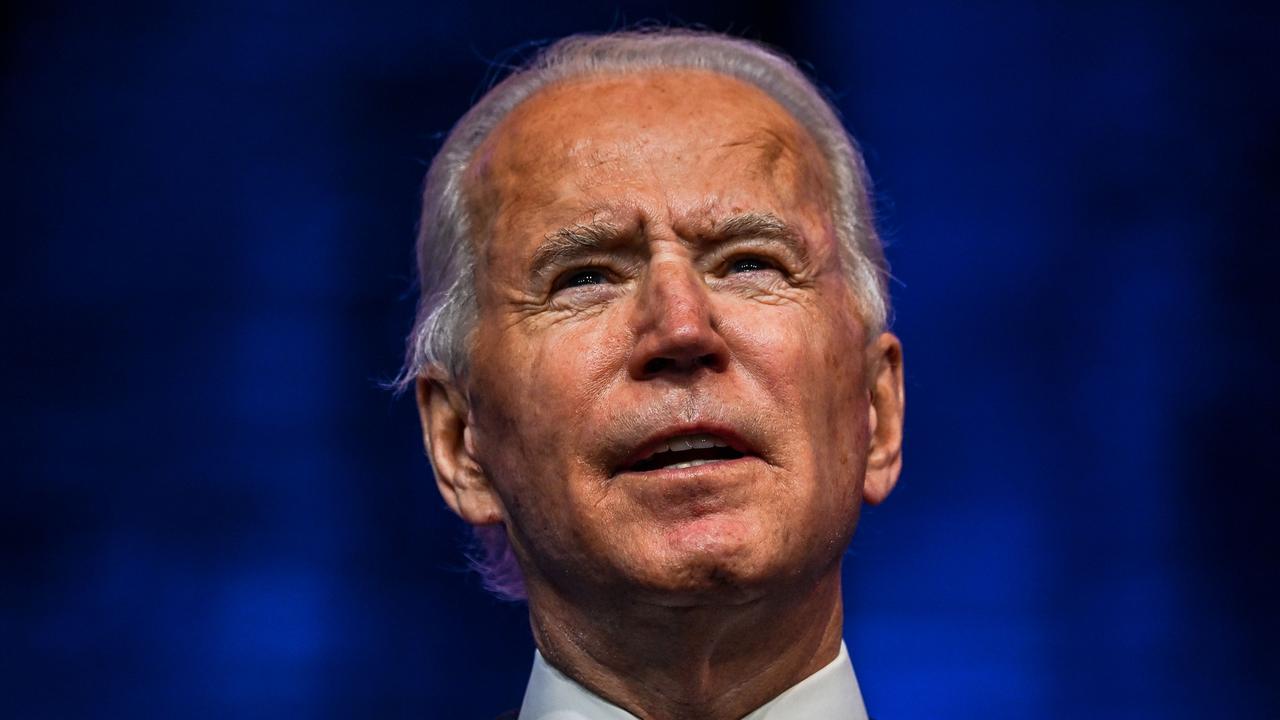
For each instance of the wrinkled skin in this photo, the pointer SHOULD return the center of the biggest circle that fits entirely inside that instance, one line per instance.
(666, 323)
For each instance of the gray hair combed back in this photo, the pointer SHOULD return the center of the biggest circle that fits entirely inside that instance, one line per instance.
(446, 252)
(446, 245)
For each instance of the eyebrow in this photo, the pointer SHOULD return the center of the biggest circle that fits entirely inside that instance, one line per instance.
(570, 242)
(761, 226)
(575, 241)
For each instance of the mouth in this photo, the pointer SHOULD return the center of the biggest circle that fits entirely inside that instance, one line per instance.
(685, 450)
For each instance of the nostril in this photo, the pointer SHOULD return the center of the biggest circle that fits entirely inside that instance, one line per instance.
(660, 365)
(657, 365)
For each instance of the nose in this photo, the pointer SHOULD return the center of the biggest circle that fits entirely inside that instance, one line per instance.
(676, 329)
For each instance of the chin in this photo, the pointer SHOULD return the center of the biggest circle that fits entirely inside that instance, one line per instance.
(711, 559)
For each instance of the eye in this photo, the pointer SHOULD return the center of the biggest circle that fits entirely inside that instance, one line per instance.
(749, 264)
(582, 277)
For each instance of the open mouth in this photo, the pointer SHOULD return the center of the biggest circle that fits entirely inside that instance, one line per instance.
(686, 451)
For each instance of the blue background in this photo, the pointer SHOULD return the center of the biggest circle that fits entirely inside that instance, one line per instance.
(211, 509)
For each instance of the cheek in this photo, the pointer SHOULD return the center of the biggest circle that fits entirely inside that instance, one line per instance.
(544, 398)
(571, 366)
(810, 364)
(772, 346)
(539, 393)
(797, 356)
(845, 414)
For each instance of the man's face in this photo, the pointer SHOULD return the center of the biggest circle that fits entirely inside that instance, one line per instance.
(669, 387)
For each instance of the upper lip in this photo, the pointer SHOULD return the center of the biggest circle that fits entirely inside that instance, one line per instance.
(658, 440)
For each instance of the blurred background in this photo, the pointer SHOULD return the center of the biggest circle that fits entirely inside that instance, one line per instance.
(212, 509)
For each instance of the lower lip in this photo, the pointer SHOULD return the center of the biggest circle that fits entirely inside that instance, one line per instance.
(699, 470)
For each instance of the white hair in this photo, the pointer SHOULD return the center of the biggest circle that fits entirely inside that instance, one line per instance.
(446, 245)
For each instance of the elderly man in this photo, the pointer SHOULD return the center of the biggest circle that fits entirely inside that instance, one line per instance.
(652, 368)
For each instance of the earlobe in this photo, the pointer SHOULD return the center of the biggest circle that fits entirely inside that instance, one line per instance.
(885, 418)
(447, 435)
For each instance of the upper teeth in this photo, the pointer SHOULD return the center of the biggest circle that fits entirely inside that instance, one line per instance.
(690, 442)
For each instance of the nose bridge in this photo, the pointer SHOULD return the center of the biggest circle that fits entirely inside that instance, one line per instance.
(675, 299)
(675, 327)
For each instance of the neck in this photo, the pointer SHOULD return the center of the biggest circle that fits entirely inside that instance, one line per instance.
(708, 661)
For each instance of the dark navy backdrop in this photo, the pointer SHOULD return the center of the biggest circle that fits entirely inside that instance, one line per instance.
(211, 509)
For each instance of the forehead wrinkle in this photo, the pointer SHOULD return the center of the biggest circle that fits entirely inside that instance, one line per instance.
(768, 141)
(790, 159)
(585, 238)
(514, 171)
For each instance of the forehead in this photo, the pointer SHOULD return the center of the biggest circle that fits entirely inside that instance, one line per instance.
(692, 140)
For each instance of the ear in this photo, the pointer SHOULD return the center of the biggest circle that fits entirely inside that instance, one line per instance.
(884, 455)
(446, 432)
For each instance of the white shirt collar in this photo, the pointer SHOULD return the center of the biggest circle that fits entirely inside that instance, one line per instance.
(831, 692)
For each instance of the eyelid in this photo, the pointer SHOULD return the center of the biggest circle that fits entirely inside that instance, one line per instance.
(561, 280)
(764, 252)
(560, 273)
(763, 245)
